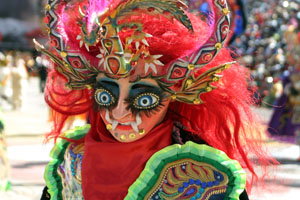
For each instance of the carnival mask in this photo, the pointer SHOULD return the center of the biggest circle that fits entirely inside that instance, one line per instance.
(130, 110)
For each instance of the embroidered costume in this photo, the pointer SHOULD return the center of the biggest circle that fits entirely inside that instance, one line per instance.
(167, 105)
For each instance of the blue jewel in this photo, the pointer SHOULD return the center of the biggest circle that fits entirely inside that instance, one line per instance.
(210, 184)
(185, 184)
(198, 182)
(193, 198)
(191, 181)
(180, 189)
(198, 195)
(203, 185)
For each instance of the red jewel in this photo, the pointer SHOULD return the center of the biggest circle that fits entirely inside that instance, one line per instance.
(178, 72)
(53, 42)
(207, 57)
(47, 19)
(133, 63)
(76, 63)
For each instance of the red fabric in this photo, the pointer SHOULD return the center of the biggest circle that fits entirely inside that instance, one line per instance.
(110, 167)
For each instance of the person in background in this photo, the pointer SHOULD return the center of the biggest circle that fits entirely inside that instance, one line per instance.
(41, 67)
(19, 83)
(5, 81)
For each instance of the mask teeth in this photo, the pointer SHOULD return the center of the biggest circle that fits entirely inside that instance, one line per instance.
(114, 125)
(138, 119)
(134, 126)
(107, 116)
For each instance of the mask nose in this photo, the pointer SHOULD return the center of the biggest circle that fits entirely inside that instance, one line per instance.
(120, 112)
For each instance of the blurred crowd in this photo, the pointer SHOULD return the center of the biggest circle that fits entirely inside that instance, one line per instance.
(270, 45)
(15, 70)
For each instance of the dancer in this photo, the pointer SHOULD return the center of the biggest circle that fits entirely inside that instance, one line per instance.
(168, 107)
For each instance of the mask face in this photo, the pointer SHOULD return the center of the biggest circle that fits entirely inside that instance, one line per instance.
(130, 110)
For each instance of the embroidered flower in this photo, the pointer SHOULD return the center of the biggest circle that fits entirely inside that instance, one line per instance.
(80, 38)
(101, 57)
(151, 61)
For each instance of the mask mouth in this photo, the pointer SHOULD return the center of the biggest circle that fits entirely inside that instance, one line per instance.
(134, 124)
(125, 124)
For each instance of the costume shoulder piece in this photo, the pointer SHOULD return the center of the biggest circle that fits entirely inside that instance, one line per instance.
(189, 171)
(65, 165)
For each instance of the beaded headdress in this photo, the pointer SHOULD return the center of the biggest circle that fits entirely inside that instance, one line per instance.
(104, 36)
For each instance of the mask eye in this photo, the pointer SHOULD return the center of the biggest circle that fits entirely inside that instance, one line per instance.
(104, 97)
(146, 101)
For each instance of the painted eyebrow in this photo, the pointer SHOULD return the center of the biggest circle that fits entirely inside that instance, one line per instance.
(142, 85)
(112, 83)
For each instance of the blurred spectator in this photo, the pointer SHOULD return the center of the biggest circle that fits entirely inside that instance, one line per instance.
(274, 94)
(5, 84)
(19, 82)
(40, 66)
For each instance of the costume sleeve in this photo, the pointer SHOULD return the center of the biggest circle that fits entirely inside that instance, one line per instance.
(65, 165)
